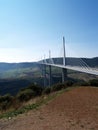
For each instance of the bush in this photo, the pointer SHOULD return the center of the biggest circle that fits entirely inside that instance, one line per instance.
(85, 84)
(6, 97)
(57, 87)
(94, 82)
(25, 95)
(37, 89)
(5, 101)
(60, 86)
(81, 83)
(47, 90)
(68, 83)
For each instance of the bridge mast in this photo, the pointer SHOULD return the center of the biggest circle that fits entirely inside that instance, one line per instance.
(64, 71)
(64, 57)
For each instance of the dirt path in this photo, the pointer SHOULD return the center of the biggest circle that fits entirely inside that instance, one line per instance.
(73, 110)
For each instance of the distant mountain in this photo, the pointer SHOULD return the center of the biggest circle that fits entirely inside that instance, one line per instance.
(93, 62)
(10, 66)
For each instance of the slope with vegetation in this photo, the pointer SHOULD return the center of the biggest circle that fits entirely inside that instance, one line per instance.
(71, 108)
(14, 105)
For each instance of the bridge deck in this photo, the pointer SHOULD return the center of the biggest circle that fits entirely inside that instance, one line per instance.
(76, 68)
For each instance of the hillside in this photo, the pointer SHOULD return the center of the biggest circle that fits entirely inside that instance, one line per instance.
(10, 66)
(76, 109)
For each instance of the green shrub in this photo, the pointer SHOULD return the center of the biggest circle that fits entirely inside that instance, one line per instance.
(47, 90)
(37, 89)
(94, 82)
(6, 101)
(68, 83)
(60, 86)
(25, 95)
(85, 83)
(81, 83)
(6, 97)
(57, 87)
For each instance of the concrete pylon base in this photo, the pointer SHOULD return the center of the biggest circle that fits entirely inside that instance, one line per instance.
(64, 75)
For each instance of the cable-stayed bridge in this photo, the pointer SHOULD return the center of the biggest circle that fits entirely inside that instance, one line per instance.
(76, 68)
(78, 65)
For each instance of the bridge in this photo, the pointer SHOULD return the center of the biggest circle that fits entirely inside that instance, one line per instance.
(82, 66)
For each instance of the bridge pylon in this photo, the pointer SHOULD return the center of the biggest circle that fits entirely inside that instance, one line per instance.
(64, 70)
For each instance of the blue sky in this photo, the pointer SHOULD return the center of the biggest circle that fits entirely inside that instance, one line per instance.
(30, 28)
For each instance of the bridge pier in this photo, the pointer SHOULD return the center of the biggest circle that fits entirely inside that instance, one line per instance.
(50, 76)
(44, 74)
(64, 75)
